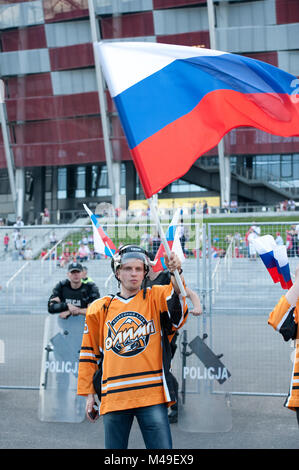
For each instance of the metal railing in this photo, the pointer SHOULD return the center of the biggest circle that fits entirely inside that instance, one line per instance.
(15, 281)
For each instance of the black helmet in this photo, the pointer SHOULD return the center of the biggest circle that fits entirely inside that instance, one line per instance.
(128, 252)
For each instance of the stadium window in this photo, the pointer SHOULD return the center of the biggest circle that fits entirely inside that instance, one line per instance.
(181, 186)
(100, 183)
(81, 182)
(123, 179)
(286, 170)
(62, 183)
(296, 167)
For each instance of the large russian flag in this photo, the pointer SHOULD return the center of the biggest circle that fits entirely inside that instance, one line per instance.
(176, 102)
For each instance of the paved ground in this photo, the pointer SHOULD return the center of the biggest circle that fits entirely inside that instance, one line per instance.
(257, 423)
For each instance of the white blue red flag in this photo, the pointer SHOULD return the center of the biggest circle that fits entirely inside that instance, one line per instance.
(275, 260)
(102, 243)
(283, 267)
(174, 243)
(176, 102)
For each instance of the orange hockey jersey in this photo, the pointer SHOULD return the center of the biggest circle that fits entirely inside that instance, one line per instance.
(284, 318)
(131, 339)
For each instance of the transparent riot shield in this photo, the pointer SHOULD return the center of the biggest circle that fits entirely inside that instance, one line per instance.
(198, 368)
(58, 399)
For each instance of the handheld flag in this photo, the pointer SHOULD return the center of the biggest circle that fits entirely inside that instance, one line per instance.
(283, 268)
(176, 103)
(174, 243)
(275, 259)
(102, 243)
(264, 247)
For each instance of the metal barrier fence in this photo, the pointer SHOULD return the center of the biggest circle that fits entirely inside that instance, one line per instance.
(235, 289)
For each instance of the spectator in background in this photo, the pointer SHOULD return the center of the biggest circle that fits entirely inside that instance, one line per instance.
(84, 275)
(289, 244)
(65, 257)
(19, 223)
(83, 253)
(254, 232)
(6, 242)
(52, 238)
(205, 208)
(291, 205)
(28, 253)
(294, 240)
(46, 216)
(156, 240)
(24, 242)
(234, 206)
(278, 239)
(18, 243)
(182, 235)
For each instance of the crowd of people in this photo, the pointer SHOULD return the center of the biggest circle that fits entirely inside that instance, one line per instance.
(18, 242)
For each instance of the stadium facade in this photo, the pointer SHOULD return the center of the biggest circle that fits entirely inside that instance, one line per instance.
(53, 115)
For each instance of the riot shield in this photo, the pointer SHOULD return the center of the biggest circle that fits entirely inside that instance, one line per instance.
(58, 399)
(201, 409)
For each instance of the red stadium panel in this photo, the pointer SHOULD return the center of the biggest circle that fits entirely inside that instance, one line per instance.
(29, 85)
(287, 11)
(158, 4)
(66, 130)
(33, 37)
(50, 154)
(269, 57)
(75, 153)
(249, 141)
(198, 38)
(53, 107)
(131, 25)
(71, 57)
(59, 10)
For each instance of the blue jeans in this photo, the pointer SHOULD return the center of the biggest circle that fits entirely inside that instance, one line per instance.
(153, 423)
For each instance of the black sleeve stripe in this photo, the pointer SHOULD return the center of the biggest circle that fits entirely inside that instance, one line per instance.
(136, 374)
(88, 360)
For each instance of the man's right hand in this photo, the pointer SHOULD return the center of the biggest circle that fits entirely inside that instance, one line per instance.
(90, 402)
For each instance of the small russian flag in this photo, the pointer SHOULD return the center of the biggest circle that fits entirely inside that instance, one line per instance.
(174, 243)
(102, 243)
(283, 267)
(275, 259)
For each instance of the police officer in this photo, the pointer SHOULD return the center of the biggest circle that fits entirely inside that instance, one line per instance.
(72, 296)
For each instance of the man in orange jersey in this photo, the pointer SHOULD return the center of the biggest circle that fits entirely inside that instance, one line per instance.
(284, 319)
(127, 336)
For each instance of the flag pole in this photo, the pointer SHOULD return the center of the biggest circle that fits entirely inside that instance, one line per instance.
(154, 211)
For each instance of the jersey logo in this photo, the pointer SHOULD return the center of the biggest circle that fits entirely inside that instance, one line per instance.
(128, 334)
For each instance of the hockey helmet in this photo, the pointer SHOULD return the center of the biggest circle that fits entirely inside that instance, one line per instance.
(127, 252)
